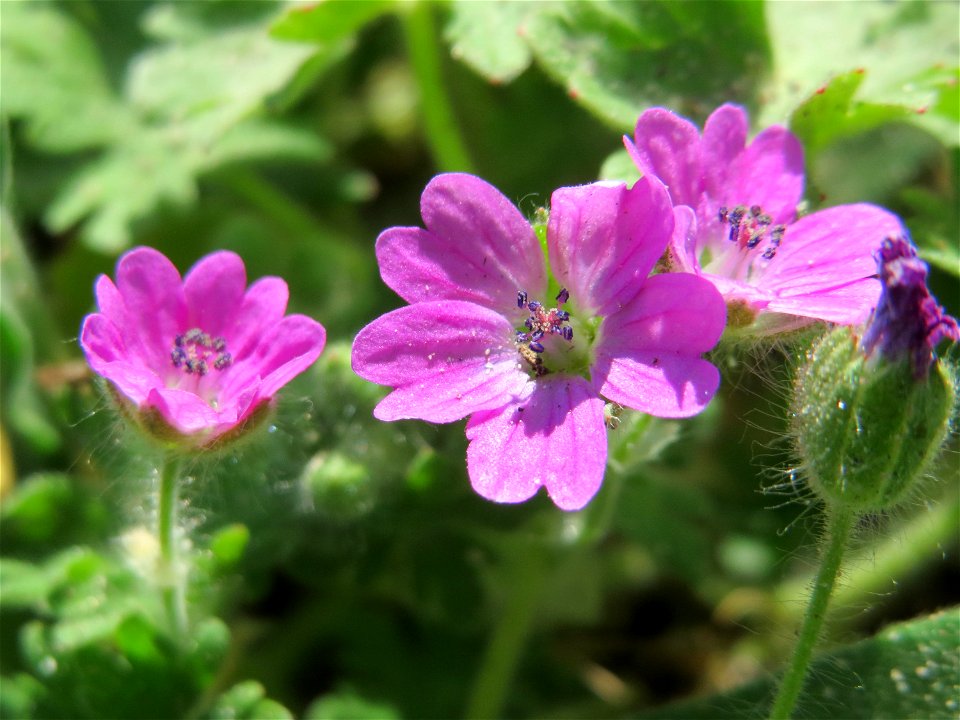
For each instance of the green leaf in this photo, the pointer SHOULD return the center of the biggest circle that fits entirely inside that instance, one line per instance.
(53, 77)
(906, 53)
(125, 185)
(231, 73)
(328, 21)
(24, 584)
(831, 113)
(908, 670)
(346, 705)
(619, 58)
(247, 701)
(35, 510)
(487, 37)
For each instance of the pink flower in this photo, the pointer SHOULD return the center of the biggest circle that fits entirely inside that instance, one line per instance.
(742, 231)
(197, 357)
(488, 334)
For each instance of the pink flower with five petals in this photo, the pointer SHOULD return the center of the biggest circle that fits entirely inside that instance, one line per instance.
(196, 357)
(741, 230)
(488, 334)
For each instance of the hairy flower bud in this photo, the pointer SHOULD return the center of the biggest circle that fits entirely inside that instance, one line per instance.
(869, 417)
(866, 432)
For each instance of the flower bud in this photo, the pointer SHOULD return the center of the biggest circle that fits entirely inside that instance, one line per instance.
(869, 417)
(865, 431)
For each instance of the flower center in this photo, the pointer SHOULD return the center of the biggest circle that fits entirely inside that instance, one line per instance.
(540, 327)
(749, 227)
(194, 352)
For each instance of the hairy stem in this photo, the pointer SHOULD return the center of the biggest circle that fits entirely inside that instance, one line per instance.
(171, 576)
(442, 132)
(840, 525)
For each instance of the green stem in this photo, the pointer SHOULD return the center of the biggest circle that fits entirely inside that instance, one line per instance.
(442, 133)
(171, 577)
(841, 521)
(509, 638)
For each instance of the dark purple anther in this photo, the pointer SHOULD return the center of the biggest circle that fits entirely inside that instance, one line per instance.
(536, 347)
(907, 321)
(568, 333)
(562, 296)
(563, 315)
(533, 305)
(537, 335)
(521, 298)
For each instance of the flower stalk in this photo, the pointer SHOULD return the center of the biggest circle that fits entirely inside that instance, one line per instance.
(441, 130)
(170, 573)
(503, 654)
(840, 525)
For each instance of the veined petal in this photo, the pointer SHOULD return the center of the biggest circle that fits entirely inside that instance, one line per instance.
(724, 138)
(477, 247)
(444, 359)
(827, 261)
(769, 173)
(668, 147)
(214, 290)
(605, 239)
(153, 295)
(262, 307)
(554, 436)
(647, 355)
(286, 350)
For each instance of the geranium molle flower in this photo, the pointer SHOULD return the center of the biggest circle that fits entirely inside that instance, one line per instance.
(197, 357)
(908, 322)
(489, 335)
(742, 232)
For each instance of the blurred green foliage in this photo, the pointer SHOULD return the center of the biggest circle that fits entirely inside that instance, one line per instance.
(342, 567)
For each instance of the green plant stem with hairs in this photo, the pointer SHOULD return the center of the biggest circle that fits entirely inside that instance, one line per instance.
(840, 522)
(171, 576)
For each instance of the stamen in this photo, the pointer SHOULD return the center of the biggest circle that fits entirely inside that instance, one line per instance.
(542, 322)
(750, 227)
(194, 351)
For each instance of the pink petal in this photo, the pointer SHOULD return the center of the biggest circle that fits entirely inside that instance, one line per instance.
(825, 266)
(604, 240)
(769, 173)
(153, 295)
(444, 359)
(683, 242)
(668, 147)
(286, 350)
(724, 138)
(262, 307)
(183, 410)
(101, 341)
(554, 436)
(647, 355)
(477, 247)
(214, 290)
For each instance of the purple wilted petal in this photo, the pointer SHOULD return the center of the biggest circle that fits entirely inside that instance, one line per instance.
(908, 322)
